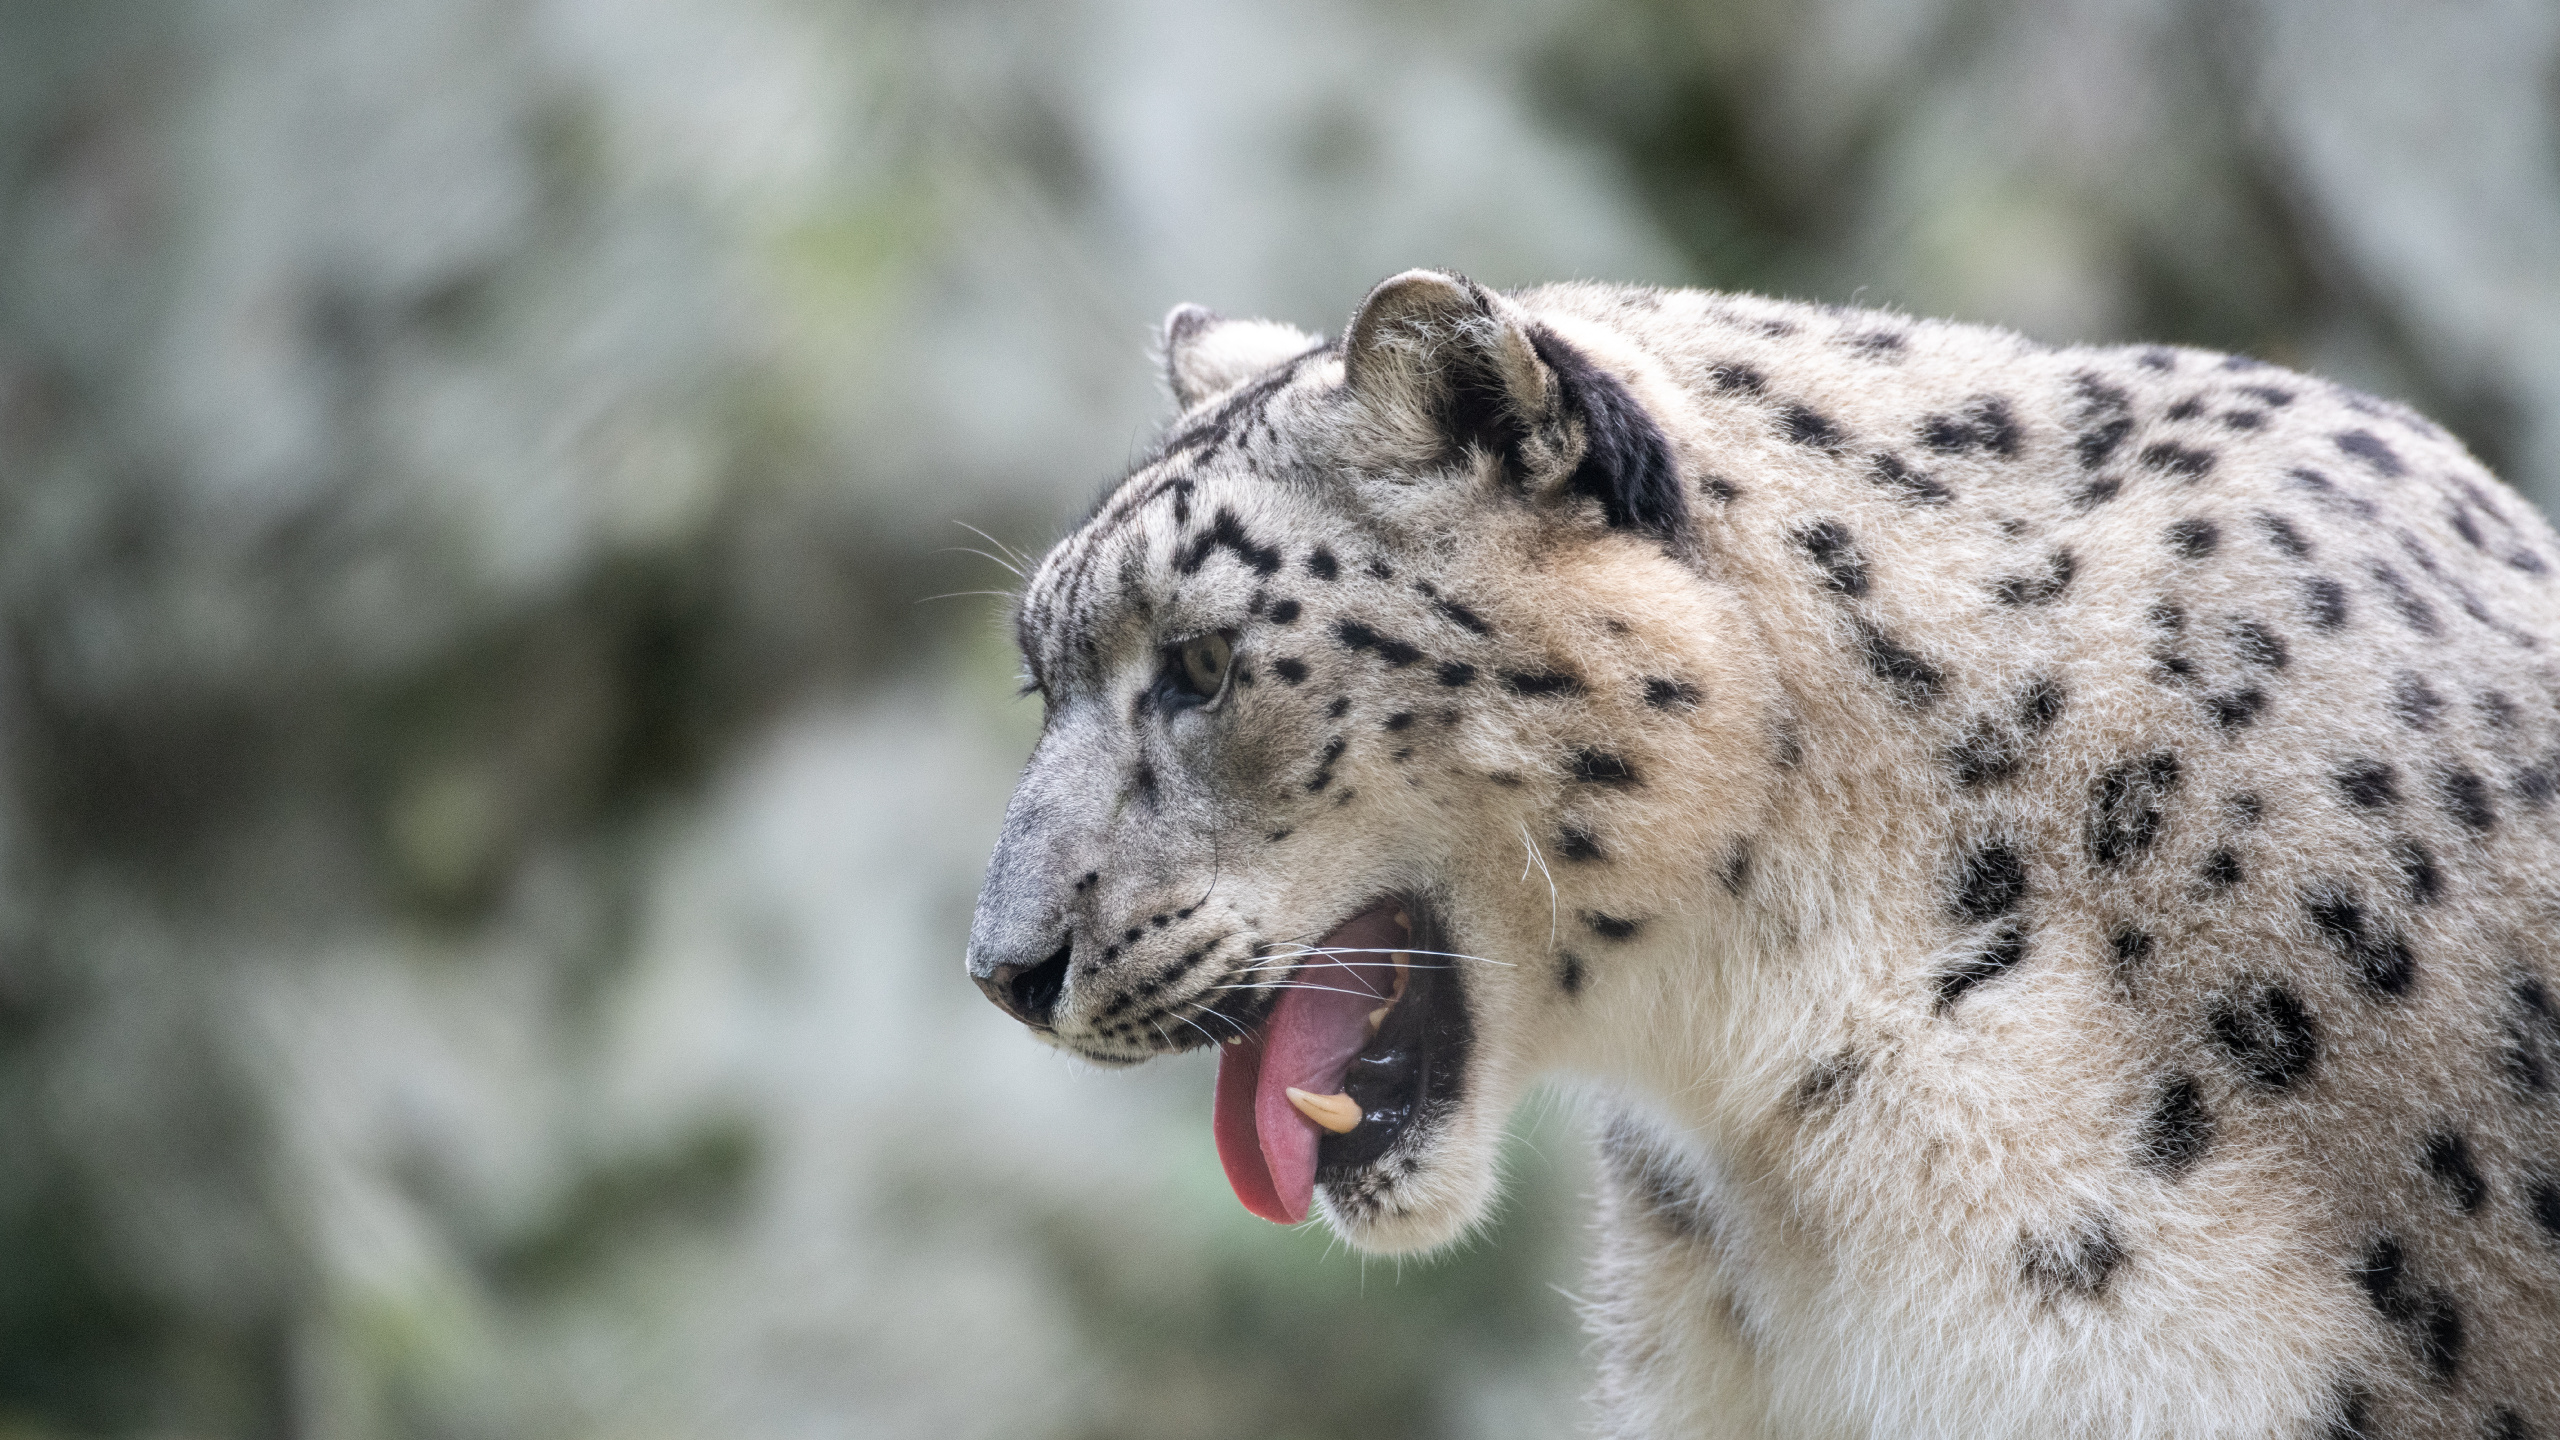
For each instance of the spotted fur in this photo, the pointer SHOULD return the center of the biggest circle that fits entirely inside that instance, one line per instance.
(2046, 856)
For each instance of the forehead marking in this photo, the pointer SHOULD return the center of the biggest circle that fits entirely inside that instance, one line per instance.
(1175, 465)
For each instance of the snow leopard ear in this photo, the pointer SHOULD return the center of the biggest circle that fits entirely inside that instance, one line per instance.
(1451, 367)
(1206, 354)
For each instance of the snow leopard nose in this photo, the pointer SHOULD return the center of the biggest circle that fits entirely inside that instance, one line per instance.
(1028, 993)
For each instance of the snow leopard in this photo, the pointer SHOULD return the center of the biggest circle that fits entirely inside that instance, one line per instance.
(2042, 858)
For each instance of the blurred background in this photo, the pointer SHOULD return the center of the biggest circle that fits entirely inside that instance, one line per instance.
(489, 808)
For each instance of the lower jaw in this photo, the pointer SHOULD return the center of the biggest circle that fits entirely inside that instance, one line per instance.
(1410, 1080)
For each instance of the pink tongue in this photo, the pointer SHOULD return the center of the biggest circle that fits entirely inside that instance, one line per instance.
(1321, 1022)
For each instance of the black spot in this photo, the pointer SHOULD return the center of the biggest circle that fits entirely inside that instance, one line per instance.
(2131, 946)
(1142, 781)
(2222, 868)
(1916, 680)
(1340, 707)
(2535, 784)
(2325, 600)
(1737, 379)
(2533, 1038)
(2466, 527)
(2096, 493)
(1831, 547)
(1610, 927)
(2158, 360)
(2281, 534)
(2374, 451)
(2237, 709)
(1598, 767)
(1829, 1080)
(2413, 609)
(2259, 645)
(2496, 708)
(1284, 612)
(2546, 1206)
(1654, 1180)
(2369, 784)
(1569, 973)
(1225, 532)
(2124, 807)
(1454, 674)
(2168, 616)
(2268, 395)
(2466, 795)
(1670, 694)
(1998, 956)
(2176, 459)
(2418, 868)
(1913, 485)
(1276, 836)
(2449, 1161)
(1547, 682)
(2193, 539)
(1626, 461)
(2380, 952)
(1290, 671)
(2060, 566)
(1721, 489)
(1878, 344)
(2178, 1130)
(1735, 873)
(2186, 409)
(2096, 444)
(2247, 807)
(2381, 1272)
(1807, 426)
(2429, 1319)
(1990, 882)
(1322, 565)
(1398, 720)
(2415, 702)
(2078, 1262)
(1983, 424)
(1986, 753)
(2507, 1424)
(1574, 842)
(1356, 636)
(2268, 1035)
(2244, 420)
(1461, 616)
(2326, 491)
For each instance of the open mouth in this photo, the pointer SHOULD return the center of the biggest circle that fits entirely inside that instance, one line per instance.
(1366, 1043)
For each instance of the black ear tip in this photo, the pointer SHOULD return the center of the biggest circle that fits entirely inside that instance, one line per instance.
(1626, 464)
(1184, 323)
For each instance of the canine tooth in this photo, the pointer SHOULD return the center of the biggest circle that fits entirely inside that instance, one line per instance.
(1378, 1016)
(1337, 1113)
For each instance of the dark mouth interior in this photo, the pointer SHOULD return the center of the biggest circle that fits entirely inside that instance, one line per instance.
(1415, 1065)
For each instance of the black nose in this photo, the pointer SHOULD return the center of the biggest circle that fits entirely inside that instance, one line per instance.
(1029, 993)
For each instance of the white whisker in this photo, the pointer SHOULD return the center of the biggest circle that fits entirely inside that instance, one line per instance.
(1327, 989)
(990, 539)
(1531, 842)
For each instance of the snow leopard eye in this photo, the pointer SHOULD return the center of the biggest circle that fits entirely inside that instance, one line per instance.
(1197, 672)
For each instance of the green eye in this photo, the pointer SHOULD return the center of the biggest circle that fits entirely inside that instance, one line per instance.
(1203, 664)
